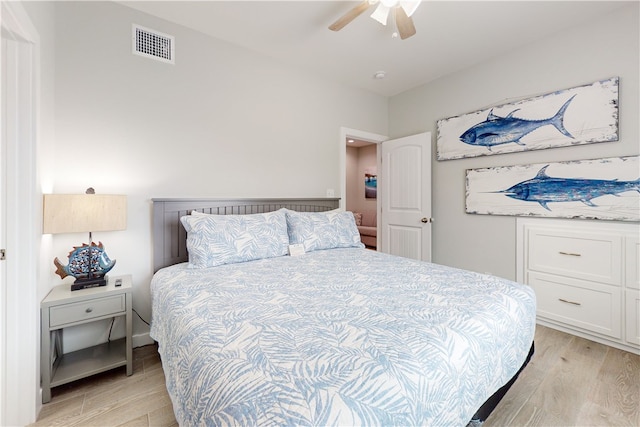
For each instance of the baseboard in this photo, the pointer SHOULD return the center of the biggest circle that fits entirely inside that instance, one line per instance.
(141, 340)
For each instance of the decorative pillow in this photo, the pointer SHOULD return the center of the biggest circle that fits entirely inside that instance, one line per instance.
(226, 239)
(323, 230)
(358, 217)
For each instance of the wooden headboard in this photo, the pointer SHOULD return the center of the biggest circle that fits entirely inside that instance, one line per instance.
(170, 237)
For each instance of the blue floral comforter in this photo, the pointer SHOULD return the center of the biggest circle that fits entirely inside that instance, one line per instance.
(337, 337)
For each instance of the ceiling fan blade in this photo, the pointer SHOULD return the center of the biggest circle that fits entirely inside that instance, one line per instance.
(349, 16)
(404, 24)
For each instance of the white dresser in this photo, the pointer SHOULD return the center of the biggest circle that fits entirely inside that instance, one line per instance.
(586, 275)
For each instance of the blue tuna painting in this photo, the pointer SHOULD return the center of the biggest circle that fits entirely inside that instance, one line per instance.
(579, 115)
(498, 130)
(544, 189)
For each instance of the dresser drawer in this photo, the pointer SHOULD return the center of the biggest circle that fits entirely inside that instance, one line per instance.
(586, 305)
(633, 316)
(590, 256)
(85, 310)
(633, 262)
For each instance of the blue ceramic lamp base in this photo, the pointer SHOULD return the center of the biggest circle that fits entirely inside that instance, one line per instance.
(88, 264)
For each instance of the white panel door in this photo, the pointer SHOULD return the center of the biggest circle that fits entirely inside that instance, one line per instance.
(406, 197)
(20, 309)
(3, 233)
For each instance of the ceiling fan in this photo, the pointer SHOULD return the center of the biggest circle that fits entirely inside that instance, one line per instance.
(403, 10)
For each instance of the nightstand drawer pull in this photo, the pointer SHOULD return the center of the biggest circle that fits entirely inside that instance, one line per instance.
(88, 310)
(568, 302)
(569, 253)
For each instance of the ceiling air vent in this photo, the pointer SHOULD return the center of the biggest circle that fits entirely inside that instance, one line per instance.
(153, 44)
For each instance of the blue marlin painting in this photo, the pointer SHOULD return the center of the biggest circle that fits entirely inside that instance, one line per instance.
(498, 130)
(544, 189)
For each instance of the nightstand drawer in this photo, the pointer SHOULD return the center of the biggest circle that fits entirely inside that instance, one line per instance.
(84, 310)
(589, 256)
(590, 306)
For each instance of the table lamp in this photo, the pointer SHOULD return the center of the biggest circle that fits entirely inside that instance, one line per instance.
(80, 213)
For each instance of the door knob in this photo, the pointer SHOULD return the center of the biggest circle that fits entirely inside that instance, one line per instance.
(425, 220)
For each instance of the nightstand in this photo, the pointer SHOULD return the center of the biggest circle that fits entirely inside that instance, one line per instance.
(63, 308)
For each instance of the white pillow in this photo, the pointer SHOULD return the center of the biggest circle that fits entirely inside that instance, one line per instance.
(323, 230)
(214, 240)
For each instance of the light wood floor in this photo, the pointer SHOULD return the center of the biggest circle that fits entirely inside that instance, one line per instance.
(570, 381)
(112, 398)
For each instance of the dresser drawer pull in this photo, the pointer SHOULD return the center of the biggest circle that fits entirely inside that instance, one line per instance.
(569, 302)
(88, 310)
(569, 253)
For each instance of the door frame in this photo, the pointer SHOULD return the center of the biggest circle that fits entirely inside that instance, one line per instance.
(342, 144)
(19, 340)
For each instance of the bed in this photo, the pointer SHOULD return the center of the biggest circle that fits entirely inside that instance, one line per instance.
(336, 335)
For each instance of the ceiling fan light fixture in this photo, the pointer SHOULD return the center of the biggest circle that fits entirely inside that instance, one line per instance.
(409, 6)
(381, 13)
(389, 3)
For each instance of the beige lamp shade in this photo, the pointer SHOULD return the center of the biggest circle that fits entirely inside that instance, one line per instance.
(76, 213)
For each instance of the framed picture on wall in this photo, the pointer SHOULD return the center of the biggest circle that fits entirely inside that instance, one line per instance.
(607, 189)
(370, 183)
(575, 116)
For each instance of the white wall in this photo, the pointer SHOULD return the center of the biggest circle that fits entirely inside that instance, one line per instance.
(221, 122)
(42, 17)
(605, 48)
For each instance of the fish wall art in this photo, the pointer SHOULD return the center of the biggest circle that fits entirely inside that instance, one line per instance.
(607, 189)
(580, 115)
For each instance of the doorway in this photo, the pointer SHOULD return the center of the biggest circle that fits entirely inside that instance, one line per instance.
(361, 195)
(359, 166)
(403, 203)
